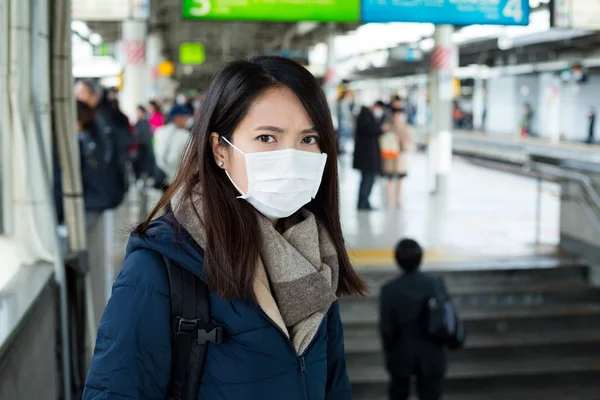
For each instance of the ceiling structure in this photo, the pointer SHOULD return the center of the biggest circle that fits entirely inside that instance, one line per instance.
(486, 52)
(223, 41)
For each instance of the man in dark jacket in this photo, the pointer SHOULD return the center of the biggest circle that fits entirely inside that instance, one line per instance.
(367, 157)
(144, 162)
(115, 132)
(408, 349)
(591, 125)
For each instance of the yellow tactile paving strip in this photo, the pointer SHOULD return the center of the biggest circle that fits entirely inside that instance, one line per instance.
(384, 257)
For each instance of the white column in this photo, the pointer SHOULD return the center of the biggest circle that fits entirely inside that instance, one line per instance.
(330, 78)
(441, 89)
(422, 106)
(135, 74)
(153, 58)
(478, 104)
(546, 120)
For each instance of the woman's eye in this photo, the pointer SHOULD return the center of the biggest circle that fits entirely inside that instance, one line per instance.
(266, 138)
(310, 140)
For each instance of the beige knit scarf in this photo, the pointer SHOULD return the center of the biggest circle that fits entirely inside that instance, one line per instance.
(297, 274)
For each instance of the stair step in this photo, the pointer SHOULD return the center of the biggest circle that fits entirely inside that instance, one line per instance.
(362, 344)
(474, 371)
(498, 295)
(369, 316)
(470, 356)
(550, 391)
(496, 274)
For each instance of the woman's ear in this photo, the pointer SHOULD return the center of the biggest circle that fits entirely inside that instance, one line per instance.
(219, 151)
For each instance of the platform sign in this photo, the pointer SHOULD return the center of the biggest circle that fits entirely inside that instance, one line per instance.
(453, 12)
(269, 10)
(110, 10)
(106, 10)
(191, 53)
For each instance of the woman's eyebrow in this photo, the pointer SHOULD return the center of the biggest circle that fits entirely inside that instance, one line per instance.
(270, 128)
(277, 129)
(310, 130)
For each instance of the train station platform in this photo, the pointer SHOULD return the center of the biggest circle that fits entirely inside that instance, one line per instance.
(515, 149)
(487, 213)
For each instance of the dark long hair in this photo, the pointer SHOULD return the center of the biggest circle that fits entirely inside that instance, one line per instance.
(232, 232)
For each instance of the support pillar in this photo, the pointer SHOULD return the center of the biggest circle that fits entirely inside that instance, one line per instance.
(479, 105)
(422, 105)
(153, 59)
(441, 89)
(330, 78)
(135, 72)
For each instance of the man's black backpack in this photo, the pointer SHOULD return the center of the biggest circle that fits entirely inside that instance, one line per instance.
(191, 331)
(443, 324)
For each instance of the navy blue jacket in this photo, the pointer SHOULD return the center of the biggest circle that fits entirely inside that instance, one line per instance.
(132, 358)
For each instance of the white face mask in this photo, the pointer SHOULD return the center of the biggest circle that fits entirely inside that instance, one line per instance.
(378, 113)
(281, 182)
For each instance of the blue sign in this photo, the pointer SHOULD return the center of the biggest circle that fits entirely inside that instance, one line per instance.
(453, 12)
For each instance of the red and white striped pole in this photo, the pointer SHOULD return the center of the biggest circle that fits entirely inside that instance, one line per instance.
(443, 61)
(135, 75)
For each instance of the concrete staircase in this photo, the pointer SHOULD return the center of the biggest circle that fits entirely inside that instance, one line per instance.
(534, 333)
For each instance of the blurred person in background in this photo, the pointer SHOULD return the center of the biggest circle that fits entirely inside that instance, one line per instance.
(144, 162)
(591, 125)
(397, 104)
(95, 174)
(527, 121)
(408, 349)
(198, 105)
(345, 107)
(115, 134)
(155, 116)
(367, 154)
(395, 143)
(170, 141)
(255, 223)
(458, 115)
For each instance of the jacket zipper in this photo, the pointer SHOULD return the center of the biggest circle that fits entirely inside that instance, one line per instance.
(289, 343)
(303, 376)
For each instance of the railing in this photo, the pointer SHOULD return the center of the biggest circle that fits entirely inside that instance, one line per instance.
(590, 201)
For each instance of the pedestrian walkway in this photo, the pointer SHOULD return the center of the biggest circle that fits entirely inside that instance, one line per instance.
(486, 214)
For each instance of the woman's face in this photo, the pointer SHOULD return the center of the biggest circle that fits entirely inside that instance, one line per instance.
(276, 121)
(151, 109)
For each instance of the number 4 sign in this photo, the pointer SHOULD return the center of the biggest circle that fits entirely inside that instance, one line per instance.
(514, 9)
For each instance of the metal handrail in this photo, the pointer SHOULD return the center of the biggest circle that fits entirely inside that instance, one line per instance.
(583, 179)
(591, 201)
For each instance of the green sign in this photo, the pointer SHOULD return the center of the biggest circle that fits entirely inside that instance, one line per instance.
(105, 49)
(191, 53)
(273, 10)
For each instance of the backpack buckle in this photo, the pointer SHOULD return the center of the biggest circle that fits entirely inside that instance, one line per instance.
(212, 334)
(184, 326)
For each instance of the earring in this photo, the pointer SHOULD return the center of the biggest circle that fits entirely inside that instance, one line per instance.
(220, 164)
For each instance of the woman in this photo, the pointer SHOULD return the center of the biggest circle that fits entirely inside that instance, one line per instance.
(155, 117)
(256, 216)
(394, 166)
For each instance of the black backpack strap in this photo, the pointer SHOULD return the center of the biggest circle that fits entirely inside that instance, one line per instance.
(191, 331)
